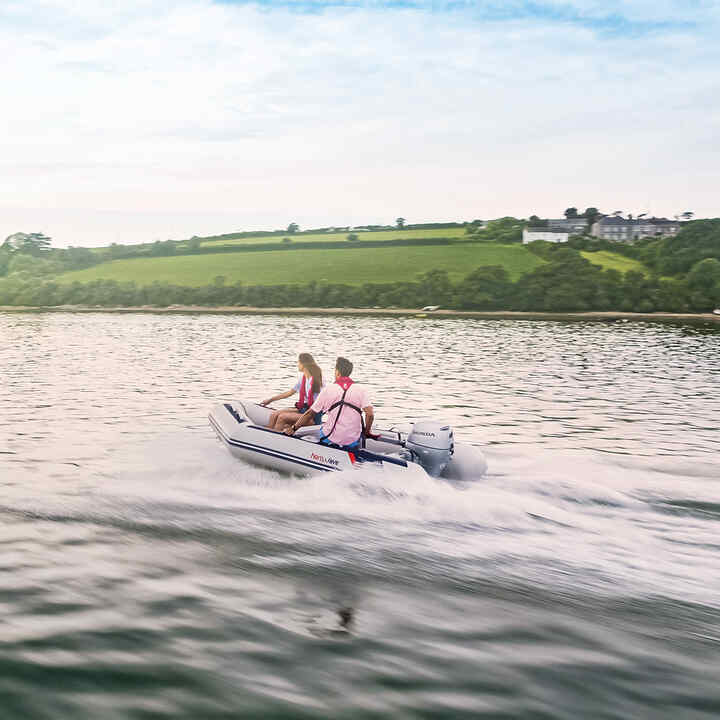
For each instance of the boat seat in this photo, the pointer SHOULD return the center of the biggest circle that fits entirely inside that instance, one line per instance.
(309, 433)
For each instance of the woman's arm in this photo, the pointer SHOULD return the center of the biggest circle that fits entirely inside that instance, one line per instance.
(281, 396)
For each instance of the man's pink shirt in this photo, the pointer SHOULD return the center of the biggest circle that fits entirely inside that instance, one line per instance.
(349, 426)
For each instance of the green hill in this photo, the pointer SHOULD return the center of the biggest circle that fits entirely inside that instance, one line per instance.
(351, 265)
(324, 270)
(382, 235)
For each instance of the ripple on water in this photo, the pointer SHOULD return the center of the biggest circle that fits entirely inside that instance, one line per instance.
(147, 574)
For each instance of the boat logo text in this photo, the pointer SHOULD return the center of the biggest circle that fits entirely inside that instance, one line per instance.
(321, 458)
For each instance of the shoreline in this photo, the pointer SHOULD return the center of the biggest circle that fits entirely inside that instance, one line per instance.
(380, 312)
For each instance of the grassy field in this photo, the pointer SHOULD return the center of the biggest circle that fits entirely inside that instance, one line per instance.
(353, 266)
(610, 260)
(319, 237)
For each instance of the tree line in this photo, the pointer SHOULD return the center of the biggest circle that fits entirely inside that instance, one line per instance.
(567, 282)
(53, 261)
(683, 276)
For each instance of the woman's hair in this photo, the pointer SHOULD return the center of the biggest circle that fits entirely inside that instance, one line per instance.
(305, 358)
(309, 364)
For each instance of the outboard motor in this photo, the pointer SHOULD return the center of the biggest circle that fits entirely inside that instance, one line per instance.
(432, 445)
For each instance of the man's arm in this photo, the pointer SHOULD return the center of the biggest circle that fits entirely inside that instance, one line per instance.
(305, 416)
(369, 417)
(318, 406)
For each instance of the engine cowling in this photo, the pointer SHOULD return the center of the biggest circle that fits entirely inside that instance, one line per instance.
(432, 444)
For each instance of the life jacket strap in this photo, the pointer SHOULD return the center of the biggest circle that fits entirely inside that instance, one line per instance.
(342, 402)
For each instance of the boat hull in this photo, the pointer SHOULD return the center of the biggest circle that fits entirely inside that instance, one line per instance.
(242, 428)
(250, 441)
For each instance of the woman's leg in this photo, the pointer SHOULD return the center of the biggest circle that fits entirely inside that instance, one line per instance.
(286, 419)
(274, 416)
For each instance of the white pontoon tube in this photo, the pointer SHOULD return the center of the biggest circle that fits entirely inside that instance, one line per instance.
(429, 446)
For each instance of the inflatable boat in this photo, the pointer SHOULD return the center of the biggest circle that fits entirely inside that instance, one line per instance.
(428, 447)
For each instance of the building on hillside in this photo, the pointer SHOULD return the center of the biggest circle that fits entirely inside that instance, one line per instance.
(618, 229)
(573, 226)
(530, 234)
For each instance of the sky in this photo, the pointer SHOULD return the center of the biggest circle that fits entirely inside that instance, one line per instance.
(161, 119)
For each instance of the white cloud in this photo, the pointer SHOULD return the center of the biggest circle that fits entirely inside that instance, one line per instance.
(166, 119)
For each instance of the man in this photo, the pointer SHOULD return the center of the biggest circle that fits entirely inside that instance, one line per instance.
(344, 402)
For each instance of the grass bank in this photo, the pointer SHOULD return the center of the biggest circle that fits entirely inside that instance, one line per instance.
(351, 265)
(613, 261)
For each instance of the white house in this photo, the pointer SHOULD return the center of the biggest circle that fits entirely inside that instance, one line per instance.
(546, 234)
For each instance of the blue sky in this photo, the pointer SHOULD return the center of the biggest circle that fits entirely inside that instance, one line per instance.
(611, 17)
(168, 118)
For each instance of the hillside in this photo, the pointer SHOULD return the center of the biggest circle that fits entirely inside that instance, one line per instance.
(460, 273)
(351, 265)
(381, 235)
(613, 261)
(407, 268)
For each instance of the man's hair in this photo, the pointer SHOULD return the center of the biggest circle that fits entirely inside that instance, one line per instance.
(343, 366)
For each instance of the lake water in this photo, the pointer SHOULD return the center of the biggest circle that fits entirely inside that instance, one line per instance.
(145, 573)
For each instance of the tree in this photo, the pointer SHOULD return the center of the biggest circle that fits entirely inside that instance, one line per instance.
(287, 240)
(400, 222)
(535, 221)
(36, 244)
(704, 277)
(502, 230)
(5, 256)
(617, 213)
(486, 288)
(30, 264)
(436, 287)
(29, 243)
(591, 214)
(695, 241)
(571, 212)
(352, 237)
(687, 215)
(116, 250)
(160, 248)
(293, 227)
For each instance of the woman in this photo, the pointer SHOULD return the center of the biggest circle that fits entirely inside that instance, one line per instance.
(309, 386)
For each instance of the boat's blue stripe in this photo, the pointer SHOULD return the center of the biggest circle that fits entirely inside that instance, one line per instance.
(272, 453)
(359, 453)
(279, 455)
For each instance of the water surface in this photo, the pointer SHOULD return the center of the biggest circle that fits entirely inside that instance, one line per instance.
(145, 573)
